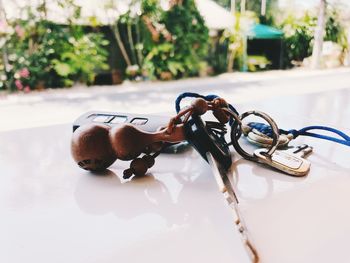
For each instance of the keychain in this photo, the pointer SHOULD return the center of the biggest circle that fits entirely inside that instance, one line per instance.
(96, 146)
(290, 160)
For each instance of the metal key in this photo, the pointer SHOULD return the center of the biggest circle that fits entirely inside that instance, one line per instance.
(260, 139)
(302, 150)
(290, 161)
(222, 178)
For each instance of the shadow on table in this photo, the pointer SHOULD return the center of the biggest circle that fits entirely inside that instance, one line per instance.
(105, 193)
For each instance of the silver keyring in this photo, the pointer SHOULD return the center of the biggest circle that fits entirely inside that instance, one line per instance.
(236, 134)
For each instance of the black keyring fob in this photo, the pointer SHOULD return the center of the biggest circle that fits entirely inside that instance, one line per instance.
(148, 123)
(144, 122)
(204, 140)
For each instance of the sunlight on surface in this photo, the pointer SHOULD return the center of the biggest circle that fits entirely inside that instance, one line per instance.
(64, 106)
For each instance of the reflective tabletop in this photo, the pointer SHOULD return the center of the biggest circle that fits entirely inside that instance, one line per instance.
(53, 211)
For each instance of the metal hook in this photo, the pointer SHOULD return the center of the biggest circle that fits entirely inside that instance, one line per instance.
(236, 132)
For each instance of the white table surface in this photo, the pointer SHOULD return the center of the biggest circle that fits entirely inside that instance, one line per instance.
(52, 211)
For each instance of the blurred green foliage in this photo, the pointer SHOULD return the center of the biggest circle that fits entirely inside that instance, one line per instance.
(255, 6)
(156, 43)
(236, 40)
(256, 63)
(38, 53)
(299, 33)
(167, 44)
(335, 29)
(190, 38)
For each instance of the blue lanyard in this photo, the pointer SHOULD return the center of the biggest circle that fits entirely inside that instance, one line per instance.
(305, 131)
(265, 129)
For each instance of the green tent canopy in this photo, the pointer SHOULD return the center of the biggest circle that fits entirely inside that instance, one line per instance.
(258, 31)
(262, 32)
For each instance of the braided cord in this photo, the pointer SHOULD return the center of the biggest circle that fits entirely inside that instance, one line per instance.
(265, 129)
(210, 97)
(305, 132)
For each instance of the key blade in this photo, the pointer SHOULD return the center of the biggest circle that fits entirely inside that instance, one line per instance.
(302, 150)
(222, 180)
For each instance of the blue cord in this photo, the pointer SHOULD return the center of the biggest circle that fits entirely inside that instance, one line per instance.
(186, 95)
(266, 129)
(305, 132)
(196, 95)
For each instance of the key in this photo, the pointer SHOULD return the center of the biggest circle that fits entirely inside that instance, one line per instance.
(290, 161)
(258, 138)
(301, 150)
(226, 188)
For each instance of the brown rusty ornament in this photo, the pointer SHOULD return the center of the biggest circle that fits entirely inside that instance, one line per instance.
(128, 142)
(149, 160)
(200, 106)
(218, 112)
(139, 166)
(91, 148)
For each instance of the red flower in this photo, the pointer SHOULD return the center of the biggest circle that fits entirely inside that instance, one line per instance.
(3, 26)
(19, 84)
(20, 32)
(26, 89)
(24, 73)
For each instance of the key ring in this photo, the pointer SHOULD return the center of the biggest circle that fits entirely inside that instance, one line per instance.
(204, 140)
(236, 132)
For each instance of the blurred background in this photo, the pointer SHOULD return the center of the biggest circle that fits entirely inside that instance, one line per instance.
(102, 49)
(59, 43)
